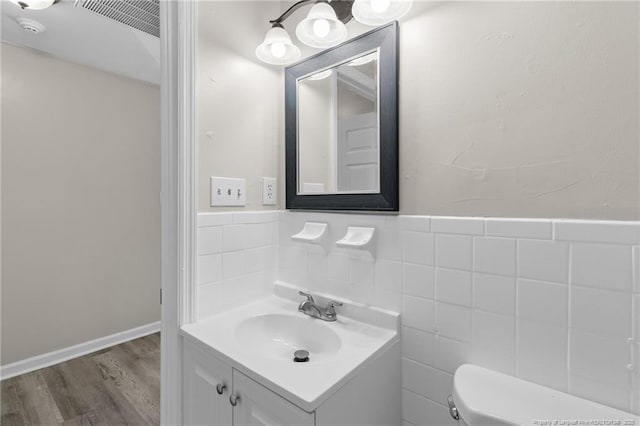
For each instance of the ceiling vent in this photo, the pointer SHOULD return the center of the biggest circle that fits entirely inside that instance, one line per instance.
(143, 15)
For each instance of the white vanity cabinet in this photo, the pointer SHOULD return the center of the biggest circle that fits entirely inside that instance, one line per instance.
(206, 386)
(259, 406)
(210, 386)
(238, 366)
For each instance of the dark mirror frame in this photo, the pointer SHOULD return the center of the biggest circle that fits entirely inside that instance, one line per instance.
(385, 39)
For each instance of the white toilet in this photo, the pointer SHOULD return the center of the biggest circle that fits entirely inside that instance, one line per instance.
(483, 397)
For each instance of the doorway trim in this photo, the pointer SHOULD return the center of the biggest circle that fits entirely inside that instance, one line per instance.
(178, 207)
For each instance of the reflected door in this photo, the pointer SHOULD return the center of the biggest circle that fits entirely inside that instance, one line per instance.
(357, 149)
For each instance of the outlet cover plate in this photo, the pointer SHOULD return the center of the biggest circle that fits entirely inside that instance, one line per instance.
(228, 192)
(269, 193)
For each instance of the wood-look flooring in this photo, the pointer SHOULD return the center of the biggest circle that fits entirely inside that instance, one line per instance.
(119, 385)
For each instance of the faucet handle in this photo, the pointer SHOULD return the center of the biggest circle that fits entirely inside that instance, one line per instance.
(331, 306)
(307, 295)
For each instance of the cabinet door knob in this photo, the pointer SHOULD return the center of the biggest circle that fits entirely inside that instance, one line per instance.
(234, 399)
(220, 387)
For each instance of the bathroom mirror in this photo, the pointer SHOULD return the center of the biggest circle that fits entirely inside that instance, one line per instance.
(341, 113)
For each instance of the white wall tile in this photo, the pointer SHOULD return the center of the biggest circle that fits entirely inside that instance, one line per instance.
(494, 293)
(418, 313)
(453, 321)
(292, 257)
(209, 268)
(233, 264)
(234, 237)
(544, 302)
(520, 228)
(543, 260)
(390, 300)
(255, 260)
(209, 240)
(255, 234)
(214, 219)
(418, 345)
(207, 302)
(457, 225)
(494, 255)
(454, 251)
(414, 223)
(338, 265)
(602, 312)
(414, 408)
(453, 286)
(255, 216)
(597, 231)
(418, 247)
(388, 275)
(424, 412)
(602, 265)
(600, 358)
(494, 341)
(451, 354)
(438, 336)
(605, 393)
(418, 280)
(418, 378)
(388, 242)
(441, 387)
(542, 354)
(421, 411)
(317, 271)
(361, 272)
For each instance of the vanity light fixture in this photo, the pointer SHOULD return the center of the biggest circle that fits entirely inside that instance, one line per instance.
(321, 28)
(277, 48)
(33, 4)
(378, 12)
(324, 25)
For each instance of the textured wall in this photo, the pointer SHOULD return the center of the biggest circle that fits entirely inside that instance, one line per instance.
(520, 109)
(513, 109)
(80, 204)
(239, 101)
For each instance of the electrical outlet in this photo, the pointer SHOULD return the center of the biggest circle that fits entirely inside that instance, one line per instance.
(269, 191)
(227, 192)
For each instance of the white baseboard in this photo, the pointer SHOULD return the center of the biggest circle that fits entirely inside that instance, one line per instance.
(65, 354)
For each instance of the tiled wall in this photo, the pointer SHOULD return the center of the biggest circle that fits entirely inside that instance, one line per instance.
(237, 258)
(554, 302)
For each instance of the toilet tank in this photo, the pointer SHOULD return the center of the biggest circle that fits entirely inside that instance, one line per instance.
(484, 397)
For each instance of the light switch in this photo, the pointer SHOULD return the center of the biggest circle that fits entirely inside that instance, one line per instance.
(228, 192)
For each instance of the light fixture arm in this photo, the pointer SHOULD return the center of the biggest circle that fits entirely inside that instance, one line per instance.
(341, 7)
(289, 11)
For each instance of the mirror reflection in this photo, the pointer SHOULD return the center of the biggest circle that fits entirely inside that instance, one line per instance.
(338, 128)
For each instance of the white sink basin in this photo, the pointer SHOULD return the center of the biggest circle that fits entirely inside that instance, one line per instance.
(259, 339)
(278, 336)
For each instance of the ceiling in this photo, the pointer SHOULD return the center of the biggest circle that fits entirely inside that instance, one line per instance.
(78, 35)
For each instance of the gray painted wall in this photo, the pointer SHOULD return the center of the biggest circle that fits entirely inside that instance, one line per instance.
(80, 204)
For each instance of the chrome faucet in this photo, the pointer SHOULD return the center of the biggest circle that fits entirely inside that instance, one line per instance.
(309, 307)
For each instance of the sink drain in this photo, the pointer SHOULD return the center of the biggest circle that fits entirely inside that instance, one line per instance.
(301, 356)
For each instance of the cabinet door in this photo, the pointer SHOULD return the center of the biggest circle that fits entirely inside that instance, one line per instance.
(201, 402)
(258, 406)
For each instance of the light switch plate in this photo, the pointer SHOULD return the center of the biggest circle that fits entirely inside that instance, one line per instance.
(228, 192)
(269, 194)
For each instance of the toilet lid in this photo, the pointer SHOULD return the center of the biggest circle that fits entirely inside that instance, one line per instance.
(486, 397)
